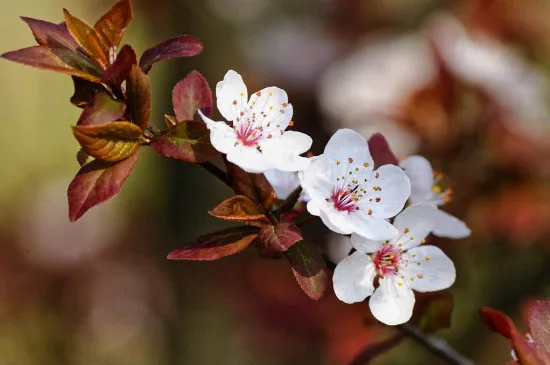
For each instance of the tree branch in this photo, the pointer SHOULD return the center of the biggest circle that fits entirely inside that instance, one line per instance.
(434, 344)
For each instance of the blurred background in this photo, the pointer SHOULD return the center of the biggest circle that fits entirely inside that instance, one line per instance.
(463, 82)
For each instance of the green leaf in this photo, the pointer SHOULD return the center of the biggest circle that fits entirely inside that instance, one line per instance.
(216, 245)
(309, 268)
(186, 141)
(110, 142)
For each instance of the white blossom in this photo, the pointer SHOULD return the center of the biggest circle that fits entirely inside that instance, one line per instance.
(348, 195)
(255, 137)
(400, 264)
(425, 188)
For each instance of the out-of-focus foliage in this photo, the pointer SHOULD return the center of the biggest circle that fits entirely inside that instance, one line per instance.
(466, 84)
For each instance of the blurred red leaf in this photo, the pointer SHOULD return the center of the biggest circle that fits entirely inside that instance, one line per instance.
(56, 59)
(87, 38)
(239, 208)
(111, 142)
(138, 91)
(97, 182)
(119, 70)
(433, 311)
(253, 186)
(179, 46)
(216, 245)
(538, 317)
(186, 141)
(380, 151)
(102, 109)
(51, 34)
(309, 268)
(502, 324)
(110, 27)
(280, 237)
(190, 94)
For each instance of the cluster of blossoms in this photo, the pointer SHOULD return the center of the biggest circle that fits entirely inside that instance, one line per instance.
(350, 194)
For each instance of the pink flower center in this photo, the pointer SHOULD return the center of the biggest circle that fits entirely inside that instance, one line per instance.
(344, 200)
(386, 260)
(247, 134)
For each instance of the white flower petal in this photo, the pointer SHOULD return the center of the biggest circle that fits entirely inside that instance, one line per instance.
(353, 278)
(363, 244)
(316, 185)
(347, 151)
(284, 151)
(337, 247)
(395, 189)
(272, 105)
(449, 226)
(335, 221)
(429, 268)
(283, 182)
(372, 228)
(231, 95)
(418, 221)
(249, 159)
(420, 172)
(222, 136)
(392, 303)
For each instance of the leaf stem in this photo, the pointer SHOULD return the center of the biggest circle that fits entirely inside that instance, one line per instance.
(435, 345)
(217, 172)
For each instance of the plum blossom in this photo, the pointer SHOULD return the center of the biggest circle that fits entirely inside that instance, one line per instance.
(400, 264)
(255, 136)
(284, 183)
(425, 188)
(348, 194)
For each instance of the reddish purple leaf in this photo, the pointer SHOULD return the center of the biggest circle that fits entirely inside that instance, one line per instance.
(56, 59)
(216, 245)
(190, 94)
(309, 268)
(241, 209)
(138, 91)
(381, 152)
(84, 91)
(96, 183)
(253, 186)
(186, 141)
(50, 34)
(119, 70)
(179, 46)
(112, 141)
(88, 39)
(280, 237)
(110, 27)
(102, 109)
(502, 324)
(538, 317)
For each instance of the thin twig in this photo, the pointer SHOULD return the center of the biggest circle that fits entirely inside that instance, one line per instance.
(217, 172)
(435, 345)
